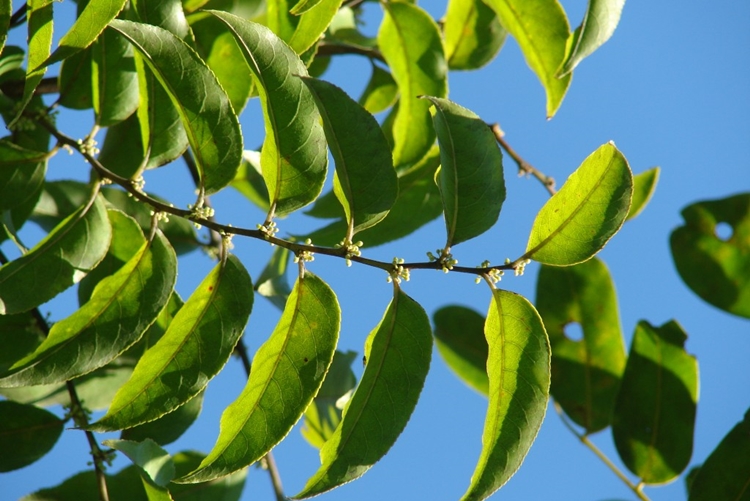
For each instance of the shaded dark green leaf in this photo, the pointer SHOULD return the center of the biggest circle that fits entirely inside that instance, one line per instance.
(272, 282)
(169, 427)
(518, 367)
(28, 431)
(21, 173)
(644, 185)
(585, 372)
(717, 269)
(63, 257)
(654, 415)
(473, 34)
(122, 151)
(459, 337)
(197, 344)
(74, 81)
(287, 372)
(587, 211)
(114, 79)
(471, 171)
(152, 462)
(599, 23)
(410, 42)
(6, 9)
(249, 180)
(381, 405)
(20, 334)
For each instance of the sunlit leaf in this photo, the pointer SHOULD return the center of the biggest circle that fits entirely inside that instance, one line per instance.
(381, 405)
(473, 34)
(313, 23)
(197, 344)
(724, 474)
(365, 181)
(644, 185)
(87, 27)
(459, 337)
(294, 157)
(518, 367)
(471, 171)
(654, 415)
(323, 415)
(587, 211)
(62, 258)
(585, 372)
(207, 116)
(169, 427)
(303, 6)
(286, 373)
(381, 91)
(599, 23)
(541, 29)
(410, 42)
(21, 173)
(114, 79)
(717, 268)
(153, 462)
(6, 9)
(28, 431)
(120, 310)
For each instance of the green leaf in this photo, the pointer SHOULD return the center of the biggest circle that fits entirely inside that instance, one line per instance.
(724, 474)
(210, 123)
(417, 204)
(169, 427)
(197, 344)
(410, 42)
(654, 415)
(153, 462)
(122, 151)
(131, 299)
(303, 6)
(599, 23)
(541, 29)
(28, 431)
(62, 258)
(272, 282)
(471, 171)
(587, 211)
(381, 91)
(74, 81)
(717, 269)
(87, 28)
(21, 173)
(312, 24)
(585, 372)
(473, 34)
(323, 416)
(459, 337)
(365, 182)
(6, 9)
(114, 79)
(380, 407)
(59, 200)
(294, 157)
(286, 373)
(39, 21)
(20, 335)
(249, 180)
(644, 185)
(518, 367)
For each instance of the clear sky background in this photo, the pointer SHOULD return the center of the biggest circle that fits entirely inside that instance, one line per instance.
(671, 88)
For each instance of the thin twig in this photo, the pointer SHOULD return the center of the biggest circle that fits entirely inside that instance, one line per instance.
(636, 488)
(335, 48)
(524, 167)
(215, 237)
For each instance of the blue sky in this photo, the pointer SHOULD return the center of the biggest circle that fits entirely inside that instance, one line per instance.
(670, 89)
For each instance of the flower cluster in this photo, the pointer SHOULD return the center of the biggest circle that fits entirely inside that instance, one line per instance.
(493, 274)
(351, 248)
(398, 272)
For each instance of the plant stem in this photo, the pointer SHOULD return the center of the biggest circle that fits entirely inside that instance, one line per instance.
(524, 167)
(267, 460)
(637, 489)
(334, 48)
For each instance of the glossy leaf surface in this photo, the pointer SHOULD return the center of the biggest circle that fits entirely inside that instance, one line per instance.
(459, 337)
(323, 415)
(365, 182)
(62, 258)
(654, 415)
(410, 42)
(717, 269)
(197, 344)
(724, 473)
(585, 372)
(473, 34)
(286, 373)
(587, 211)
(210, 123)
(644, 185)
(294, 157)
(541, 29)
(471, 172)
(386, 396)
(120, 310)
(598, 25)
(518, 367)
(115, 93)
(28, 431)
